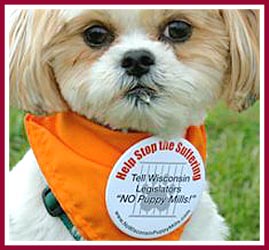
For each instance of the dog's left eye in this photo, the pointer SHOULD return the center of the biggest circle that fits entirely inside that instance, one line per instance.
(177, 31)
(97, 36)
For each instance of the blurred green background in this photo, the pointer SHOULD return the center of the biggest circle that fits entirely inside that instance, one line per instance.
(232, 165)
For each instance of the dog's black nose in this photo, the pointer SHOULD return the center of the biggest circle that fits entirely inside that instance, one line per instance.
(137, 62)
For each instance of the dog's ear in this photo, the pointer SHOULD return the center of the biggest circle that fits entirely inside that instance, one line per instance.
(32, 84)
(242, 80)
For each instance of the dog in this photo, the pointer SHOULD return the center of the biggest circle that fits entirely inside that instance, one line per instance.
(150, 71)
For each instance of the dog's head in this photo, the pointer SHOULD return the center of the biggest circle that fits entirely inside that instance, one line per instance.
(146, 70)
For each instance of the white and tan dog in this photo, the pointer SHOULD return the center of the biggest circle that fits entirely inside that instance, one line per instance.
(156, 71)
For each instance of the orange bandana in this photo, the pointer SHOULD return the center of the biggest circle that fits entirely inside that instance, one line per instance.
(76, 157)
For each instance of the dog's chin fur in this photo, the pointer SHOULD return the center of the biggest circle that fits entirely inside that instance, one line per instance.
(52, 69)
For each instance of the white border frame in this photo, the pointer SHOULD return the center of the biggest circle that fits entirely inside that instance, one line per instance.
(10, 8)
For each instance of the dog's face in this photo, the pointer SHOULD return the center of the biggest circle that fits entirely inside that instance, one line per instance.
(146, 70)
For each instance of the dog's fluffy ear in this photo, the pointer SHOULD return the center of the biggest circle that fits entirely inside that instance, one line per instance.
(242, 86)
(32, 84)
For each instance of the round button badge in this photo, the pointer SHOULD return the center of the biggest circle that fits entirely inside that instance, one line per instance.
(154, 187)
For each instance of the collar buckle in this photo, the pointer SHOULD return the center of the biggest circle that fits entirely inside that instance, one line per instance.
(51, 204)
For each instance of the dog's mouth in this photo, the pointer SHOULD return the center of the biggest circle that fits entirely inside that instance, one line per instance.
(141, 94)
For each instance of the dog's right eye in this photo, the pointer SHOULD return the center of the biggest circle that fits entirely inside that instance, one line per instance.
(97, 36)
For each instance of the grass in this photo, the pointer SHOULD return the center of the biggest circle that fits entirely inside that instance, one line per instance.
(232, 165)
(233, 168)
(17, 137)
